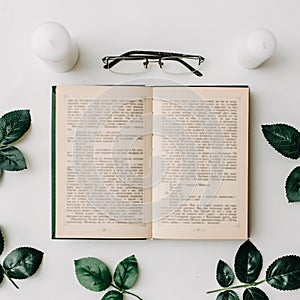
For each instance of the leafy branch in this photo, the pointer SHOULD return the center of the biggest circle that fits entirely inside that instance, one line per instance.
(13, 126)
(20, 263)
(286, 140)
(282, 274)
(94, 275)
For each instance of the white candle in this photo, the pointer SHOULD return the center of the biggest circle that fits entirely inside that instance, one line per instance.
(52, 44)
(259, 46)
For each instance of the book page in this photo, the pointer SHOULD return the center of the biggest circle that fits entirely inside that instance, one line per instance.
(200, 162)
(102, 173)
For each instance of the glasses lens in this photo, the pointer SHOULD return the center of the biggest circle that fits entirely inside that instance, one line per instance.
(127, 65)
(178, 65)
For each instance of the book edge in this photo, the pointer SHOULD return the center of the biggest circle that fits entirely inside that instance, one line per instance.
(53, 162)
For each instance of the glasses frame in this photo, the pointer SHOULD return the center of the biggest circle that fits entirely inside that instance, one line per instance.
(156, 56)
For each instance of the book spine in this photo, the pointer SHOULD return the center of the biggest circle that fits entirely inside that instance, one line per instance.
(53, 160)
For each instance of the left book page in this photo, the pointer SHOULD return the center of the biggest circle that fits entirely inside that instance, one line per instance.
(101, 146)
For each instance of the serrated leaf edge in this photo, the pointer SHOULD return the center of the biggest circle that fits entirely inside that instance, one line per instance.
(220, 260)
(267, 125)
(248, 289)
(122, 262)
(1, 274)
(22, 156)
(27, 247)
(291, 255)
(2, 237)
(261, 257)
(112, 291)
(88, 257)
(228, 291)
(286, 185)
(28, 126)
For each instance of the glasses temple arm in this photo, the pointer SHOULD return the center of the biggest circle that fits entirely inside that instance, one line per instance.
(193, 70)
(161, 54)
(108, 65)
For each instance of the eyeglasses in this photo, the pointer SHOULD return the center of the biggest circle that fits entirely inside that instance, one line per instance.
(174, 63)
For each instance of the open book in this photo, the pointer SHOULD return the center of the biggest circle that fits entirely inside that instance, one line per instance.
(150, 162)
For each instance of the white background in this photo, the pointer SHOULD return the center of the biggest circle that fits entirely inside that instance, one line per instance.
(168, 269)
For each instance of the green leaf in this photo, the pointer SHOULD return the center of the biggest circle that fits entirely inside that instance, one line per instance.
(1, 274)
(284, 273)
(22, 262)
(1, 242)
(93, 274)
(113, 295)
(225, 275)
(254, 293)
(2, 129)
(13, 125)
(284, 138)
(228, 295)
(248, 263)
(292, 186)
(11, 159)
(126, 273)
(1, 172)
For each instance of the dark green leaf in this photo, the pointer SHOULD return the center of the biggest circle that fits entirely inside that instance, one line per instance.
(254, 293)
(13, 125)
(11, 159)
(1, 242)
(292, 186)
(248, 263)
(1, 172)
(228, 295)
(113, 295)
(93, 274)
(126, 273)
(225, 275)
(1, 274)
(284, 138)
(284, 273)
(22, 262)
(2, 129)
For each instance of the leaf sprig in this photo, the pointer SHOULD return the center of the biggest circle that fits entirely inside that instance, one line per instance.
(13, 126)
(94, 275)
(20, 263)
(282, 274)
(286, 140)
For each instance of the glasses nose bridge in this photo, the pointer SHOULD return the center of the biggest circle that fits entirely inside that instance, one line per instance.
(148, 60)
(160, 62)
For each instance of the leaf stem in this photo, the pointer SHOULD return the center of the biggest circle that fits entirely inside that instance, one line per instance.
(125, 291)
(135, 295)
(114, 286)
(14, 284)
(236, 287)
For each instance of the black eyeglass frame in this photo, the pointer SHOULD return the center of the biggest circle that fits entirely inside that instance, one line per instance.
(110, 61)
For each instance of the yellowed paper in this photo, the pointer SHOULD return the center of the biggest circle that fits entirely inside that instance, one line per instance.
(100, 155)
(202, 177)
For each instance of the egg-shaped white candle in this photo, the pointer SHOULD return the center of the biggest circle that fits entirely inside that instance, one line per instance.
(52, 43)
(259, 46)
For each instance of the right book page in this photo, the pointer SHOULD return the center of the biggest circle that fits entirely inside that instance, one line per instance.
(200, 162)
